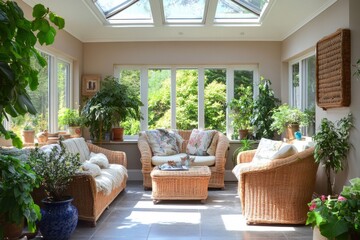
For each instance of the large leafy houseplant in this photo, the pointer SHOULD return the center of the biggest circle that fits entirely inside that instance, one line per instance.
(113, 104)
(242, 108)
(17, 46)
(264, 105)
(17, 181)
(332, 146)
(285, 116)
(339, 217)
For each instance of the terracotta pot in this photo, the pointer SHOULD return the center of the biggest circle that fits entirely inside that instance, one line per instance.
(28, 136)
(243, 133)
(118, 134)
(75, 131)
(11, 230)
(290, 131)
(317, 235)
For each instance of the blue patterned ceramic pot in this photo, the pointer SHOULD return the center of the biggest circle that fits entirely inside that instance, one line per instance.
(59, 219)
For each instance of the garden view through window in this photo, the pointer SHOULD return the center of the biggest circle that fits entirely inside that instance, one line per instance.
(184, 98)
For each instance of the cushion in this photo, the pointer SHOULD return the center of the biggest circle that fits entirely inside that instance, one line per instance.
(162, 142)
(99, 159)
(110, 178)
(92, 168)
(77, 145)
(179, 139)
(199, 160)
(199, 142)
(212, 148)
(266, 149)
(302, 145)
(285, 150)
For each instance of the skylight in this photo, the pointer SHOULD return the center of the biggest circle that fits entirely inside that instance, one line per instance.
(139, 12)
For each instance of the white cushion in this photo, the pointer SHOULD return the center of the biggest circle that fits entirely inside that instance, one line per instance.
(266, 149)
(199, 142)
(199, 160)
(99, 159)
(77, 145)
(110, 178)
(302, 145)
(286, 150)
(92, 168)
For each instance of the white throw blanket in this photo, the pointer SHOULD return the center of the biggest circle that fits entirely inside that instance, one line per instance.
(110, 178)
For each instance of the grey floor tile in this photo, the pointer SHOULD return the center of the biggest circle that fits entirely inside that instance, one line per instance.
(134, 216)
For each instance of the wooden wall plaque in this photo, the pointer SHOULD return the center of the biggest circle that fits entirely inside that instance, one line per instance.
(333, 70)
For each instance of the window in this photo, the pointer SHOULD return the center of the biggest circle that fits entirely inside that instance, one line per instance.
(302, 87)
(195, 12)
(52, 94)
(185, 97)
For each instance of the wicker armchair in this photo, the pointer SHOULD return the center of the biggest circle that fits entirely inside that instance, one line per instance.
(217, 170)
(276, 192)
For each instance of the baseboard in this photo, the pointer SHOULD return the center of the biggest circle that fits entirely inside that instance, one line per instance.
(136, 175)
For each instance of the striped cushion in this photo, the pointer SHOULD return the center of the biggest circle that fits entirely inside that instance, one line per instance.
(78, 145)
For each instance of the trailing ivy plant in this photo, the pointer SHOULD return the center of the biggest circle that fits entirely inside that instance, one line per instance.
(332, 146)
(264, 105)
(18, 37)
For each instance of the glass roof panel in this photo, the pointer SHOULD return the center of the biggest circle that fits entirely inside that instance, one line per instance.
(184, 11)
(139, 12)
(107, 6)
(239, 10)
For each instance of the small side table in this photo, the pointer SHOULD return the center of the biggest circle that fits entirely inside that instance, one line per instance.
(180, 185)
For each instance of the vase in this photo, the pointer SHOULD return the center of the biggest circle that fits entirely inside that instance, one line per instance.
(291, 129)
(74, 131)
(12, 231)
(28, 136)
(59, 219)
(118, 134)
(243, 133)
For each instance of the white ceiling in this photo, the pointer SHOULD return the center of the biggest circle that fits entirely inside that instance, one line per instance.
(282, 19)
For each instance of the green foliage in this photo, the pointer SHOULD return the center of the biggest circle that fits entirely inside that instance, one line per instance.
(215, 106)
(245, 145)
(284, 116)
(17, 181)
(242, 108)
(70, 117)
(332, 146)
(112, 105)
(264, 105)
(339, 217)
(55, 169)
(17, 46)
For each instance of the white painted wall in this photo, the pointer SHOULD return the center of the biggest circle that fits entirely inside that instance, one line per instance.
(343, 14)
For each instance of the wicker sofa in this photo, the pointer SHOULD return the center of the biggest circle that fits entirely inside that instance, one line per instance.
(276, 192)
(90, 202)
(217, 169)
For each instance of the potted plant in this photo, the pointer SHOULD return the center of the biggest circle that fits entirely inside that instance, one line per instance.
(337, 217)
(56, 167)
(71, 118)
(288, 118)
(332, 146)
(242, 110)
(17, 181)
(28, 133)
(19, 37)
(245, 145)
(113, 104)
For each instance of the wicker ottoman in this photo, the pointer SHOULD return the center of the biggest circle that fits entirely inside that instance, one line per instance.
(180, 185)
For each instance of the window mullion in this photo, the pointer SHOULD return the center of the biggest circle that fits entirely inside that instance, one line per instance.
(173, 98)
(229, 96)
(144, 97)
(201, 98)
(53, 93)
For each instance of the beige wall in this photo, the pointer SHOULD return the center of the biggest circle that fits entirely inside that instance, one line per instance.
(343, 14)
(65, 46)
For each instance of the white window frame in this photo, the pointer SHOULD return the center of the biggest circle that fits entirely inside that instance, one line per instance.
(230, 69)
(302, 81)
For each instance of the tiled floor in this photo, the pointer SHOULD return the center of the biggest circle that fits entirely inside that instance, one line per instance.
(134, 216)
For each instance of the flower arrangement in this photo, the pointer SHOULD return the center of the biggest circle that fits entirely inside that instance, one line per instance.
(337, 217)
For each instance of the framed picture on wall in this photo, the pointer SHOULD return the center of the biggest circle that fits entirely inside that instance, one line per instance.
(90, 84)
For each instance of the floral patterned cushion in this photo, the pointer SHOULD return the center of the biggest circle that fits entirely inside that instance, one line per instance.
(163, 142)
(266, 149)
(199, 142)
